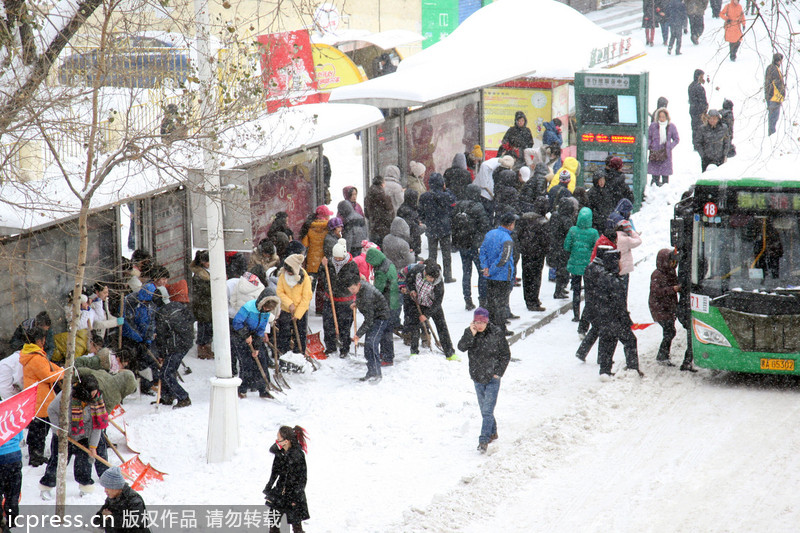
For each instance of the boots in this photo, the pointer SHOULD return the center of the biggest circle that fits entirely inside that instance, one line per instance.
(204, 351)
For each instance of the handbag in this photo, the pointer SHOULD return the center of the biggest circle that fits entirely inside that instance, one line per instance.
(274, 499)
(658, 156)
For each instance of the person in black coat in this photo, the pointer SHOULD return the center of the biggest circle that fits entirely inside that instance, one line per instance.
(608, 310)
(280, 224)
(676, 15)
(615, 180)
(470, 224)
(506, 194)
(600, 201)
(532, 234)
(408, 211)
(457, 177)
(557, 257)
(285, 492)
(517, 138)
(489, 354)
(698, 104)
(341, 269)
(435, 209)
(422, 285)
(174, 337)
(124, 510)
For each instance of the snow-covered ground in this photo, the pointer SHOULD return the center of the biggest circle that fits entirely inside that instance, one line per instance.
(672, 451)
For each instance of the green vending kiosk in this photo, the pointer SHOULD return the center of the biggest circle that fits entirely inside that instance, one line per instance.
(612, 120)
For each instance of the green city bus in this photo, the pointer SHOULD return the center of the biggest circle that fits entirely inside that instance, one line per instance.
(739, 262)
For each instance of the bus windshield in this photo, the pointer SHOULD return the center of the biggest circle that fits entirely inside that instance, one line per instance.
(747, 252)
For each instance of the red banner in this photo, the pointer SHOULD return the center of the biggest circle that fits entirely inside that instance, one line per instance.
(16, 413)
(287, 67)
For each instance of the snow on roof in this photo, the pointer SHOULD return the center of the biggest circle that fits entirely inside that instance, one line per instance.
(777, 168)
(36, 204)
(506, 40)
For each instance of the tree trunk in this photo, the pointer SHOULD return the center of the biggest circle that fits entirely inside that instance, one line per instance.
(66, 384)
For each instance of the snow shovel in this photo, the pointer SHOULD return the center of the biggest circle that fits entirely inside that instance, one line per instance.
(314, 347)
(428, 330)
(141, 473)
(299, 345)
(279, 379)
(270, 386)
(124, 434)
(333, 307)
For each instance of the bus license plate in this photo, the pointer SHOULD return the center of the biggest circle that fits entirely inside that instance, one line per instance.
(786, 365)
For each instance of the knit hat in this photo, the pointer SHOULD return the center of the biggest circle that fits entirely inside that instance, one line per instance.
(340, 248)
(615, 163)
(525, 173)
(178, 291)
(613, 220)
(476, 152)
(481, 315)
(713, 113)
(417, 169)
(507, 161)
(323, 211)
(335, 222)
(112, 479)
(564, 176)
(295, 262)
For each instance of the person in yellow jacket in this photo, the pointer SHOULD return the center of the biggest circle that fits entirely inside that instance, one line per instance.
(37, 368)
(294, 290)
(312, 236)
(574, 167)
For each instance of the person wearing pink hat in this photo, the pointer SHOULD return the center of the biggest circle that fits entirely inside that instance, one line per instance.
(489, 355)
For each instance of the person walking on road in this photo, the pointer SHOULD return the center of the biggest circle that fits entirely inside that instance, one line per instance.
(662, 138)
(489, 355)
(497, 262)
(698, 104)
(285, 492)
(733, 15)
(714, 141)
(774, 91)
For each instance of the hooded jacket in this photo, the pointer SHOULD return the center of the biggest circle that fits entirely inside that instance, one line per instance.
(396, 245)
(139, 324)
(484, 178)
(477, 220)
(408, 212)
(663, 300)
(506, 195)
(314, 241)
(497, 254)
(551, 134)
(385, 277)
(355, 227)
(201, 292)
(536, 186)
(605, 294)
(573, 166)
(436, 207)
(601, 202)
(516, 139)
(247, 287)
(372, 305)
(580, 242)
(250, 320)
(488, 353)
(36, 368)
(115, 387)
(625, 243)
(457, 177)
(174, 329)
(532, 230)
(393, 186)
(379, 211)
(560, 223)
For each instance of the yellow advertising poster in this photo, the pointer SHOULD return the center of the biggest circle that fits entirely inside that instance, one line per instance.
(334, 68)
(500, 105)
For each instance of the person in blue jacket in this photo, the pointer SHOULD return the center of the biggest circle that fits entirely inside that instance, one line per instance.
(11, 477)
(139, 330)
(552, 133)
(247, 342)
(497, 262)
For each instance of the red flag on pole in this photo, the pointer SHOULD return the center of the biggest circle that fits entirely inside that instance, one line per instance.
(645, 325)
(17, 412)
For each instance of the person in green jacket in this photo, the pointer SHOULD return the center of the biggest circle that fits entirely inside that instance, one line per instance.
(386, 283)
(580, 243)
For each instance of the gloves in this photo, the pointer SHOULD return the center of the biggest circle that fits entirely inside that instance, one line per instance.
(120, 321)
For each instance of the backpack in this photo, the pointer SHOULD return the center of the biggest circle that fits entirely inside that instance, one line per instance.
(462, 228)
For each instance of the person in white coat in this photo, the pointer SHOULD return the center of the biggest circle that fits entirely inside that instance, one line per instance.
(393, 186)
(10, 376)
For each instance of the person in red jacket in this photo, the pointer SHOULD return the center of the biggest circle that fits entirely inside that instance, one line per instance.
(663, 301)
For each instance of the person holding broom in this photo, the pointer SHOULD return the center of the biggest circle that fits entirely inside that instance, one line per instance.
(247, 343)
(337, 318)
(294, 291)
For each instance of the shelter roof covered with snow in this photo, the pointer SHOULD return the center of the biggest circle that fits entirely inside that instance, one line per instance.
(506, 40)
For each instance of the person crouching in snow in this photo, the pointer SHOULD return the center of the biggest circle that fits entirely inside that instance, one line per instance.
(489, 354)
(123, 505)
(285, 492)
(294, 290)
(249, 328)
(87, 422)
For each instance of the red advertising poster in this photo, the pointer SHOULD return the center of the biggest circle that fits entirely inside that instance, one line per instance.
(290, 188)
(287, 67)
(16, 413)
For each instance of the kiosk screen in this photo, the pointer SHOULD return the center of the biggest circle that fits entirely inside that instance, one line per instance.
(607, 109)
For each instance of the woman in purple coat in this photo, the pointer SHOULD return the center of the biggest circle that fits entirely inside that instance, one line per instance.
(662, 137)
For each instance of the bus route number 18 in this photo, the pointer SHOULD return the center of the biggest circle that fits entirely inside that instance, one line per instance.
(710, 209)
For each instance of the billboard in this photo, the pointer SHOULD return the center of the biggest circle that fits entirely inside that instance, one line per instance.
(287, 67)
(501, 103)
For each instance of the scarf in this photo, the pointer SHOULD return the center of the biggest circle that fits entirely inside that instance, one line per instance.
(97, 410)
(424, 291)
(339, 263)
(290, 280)
(662, 132)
